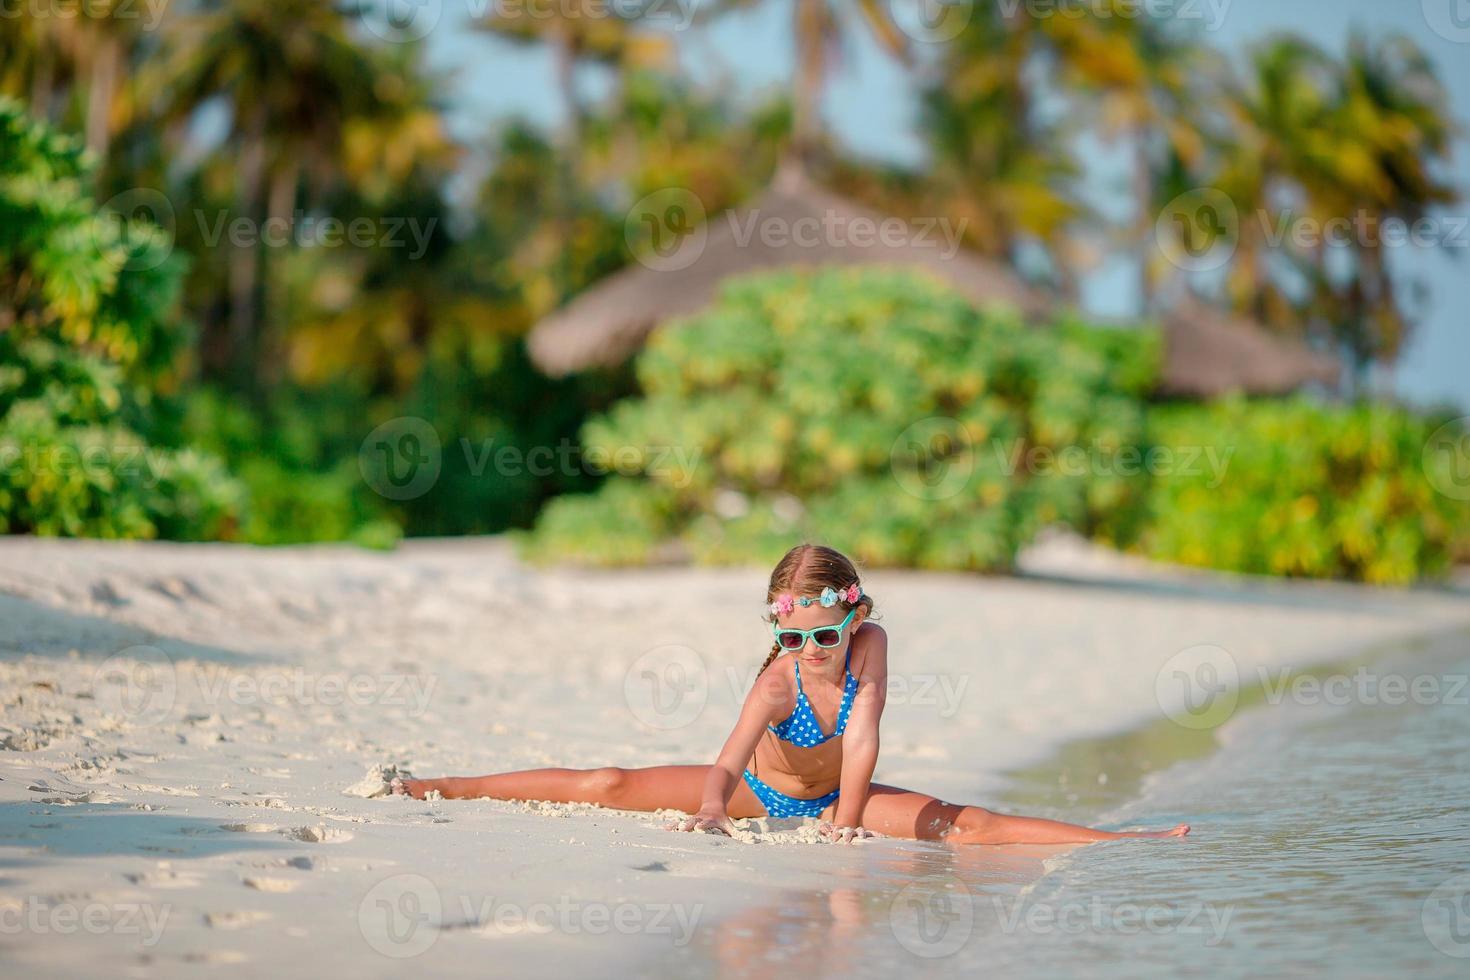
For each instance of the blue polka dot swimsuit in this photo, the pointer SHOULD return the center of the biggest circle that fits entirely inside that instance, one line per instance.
(802, 729)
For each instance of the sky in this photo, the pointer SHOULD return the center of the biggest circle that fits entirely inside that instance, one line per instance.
(871, 108)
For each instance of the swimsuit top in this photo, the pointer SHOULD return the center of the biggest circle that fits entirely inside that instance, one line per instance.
(801, 727)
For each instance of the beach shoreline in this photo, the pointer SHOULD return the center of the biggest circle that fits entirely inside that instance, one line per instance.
(287, 672)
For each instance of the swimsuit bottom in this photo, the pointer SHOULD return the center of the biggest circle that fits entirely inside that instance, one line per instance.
(778, 804)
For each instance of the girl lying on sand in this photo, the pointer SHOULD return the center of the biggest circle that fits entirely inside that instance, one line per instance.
(808, 732)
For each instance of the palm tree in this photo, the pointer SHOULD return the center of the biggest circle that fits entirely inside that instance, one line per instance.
(819, 27)
(292, 79)
(1318, 139)
(1394, 120)
(1000, 165)
(587, 32)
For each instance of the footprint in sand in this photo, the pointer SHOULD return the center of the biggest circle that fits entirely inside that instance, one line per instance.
(249, 828)
(215, 956)
(319, 834)
(234, 920)
(270, 884)
(165, 879)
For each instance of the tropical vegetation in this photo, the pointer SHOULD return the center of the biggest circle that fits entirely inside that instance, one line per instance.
(181, 186)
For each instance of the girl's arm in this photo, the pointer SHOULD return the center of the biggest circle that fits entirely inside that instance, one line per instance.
(860, 741)
(762, 707)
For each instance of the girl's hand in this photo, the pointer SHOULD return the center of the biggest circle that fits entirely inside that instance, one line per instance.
(704, 822)
(841, 835)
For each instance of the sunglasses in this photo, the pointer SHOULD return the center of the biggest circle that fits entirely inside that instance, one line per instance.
(823, 636)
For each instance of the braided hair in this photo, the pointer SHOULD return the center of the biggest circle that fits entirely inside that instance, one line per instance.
(805, 571)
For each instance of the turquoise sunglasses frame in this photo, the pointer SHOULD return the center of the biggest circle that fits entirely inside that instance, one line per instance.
(811, 634)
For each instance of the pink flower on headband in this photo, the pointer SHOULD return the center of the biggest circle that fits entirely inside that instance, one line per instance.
(783, 604)
(853, 593)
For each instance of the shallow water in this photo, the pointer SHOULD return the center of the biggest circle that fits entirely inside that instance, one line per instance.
(1331, 836)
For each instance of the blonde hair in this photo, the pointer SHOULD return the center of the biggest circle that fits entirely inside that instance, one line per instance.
(805, 571)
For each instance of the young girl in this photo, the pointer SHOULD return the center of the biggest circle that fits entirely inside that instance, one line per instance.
(805, 743)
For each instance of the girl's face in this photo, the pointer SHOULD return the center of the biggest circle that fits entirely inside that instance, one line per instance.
(823, 660)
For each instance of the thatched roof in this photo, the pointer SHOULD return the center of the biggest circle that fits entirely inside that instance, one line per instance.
(1209, 352)
(1206, 352)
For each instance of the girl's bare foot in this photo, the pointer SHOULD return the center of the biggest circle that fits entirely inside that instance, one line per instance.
(1178, 831)
(416, 788)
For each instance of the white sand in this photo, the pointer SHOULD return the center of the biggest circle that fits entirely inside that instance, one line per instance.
(189, 729)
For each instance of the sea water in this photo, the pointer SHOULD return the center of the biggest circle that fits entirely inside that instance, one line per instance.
(1331, 836)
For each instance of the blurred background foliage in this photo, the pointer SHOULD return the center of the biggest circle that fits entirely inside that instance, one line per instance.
(143, 312)
(1311, 490)
(874, 410)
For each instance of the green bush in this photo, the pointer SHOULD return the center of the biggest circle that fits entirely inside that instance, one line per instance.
(1309, 490)
(872, 409)
(289, 495)
(87, 332)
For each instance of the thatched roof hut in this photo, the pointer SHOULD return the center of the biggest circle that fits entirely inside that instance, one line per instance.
(1206, 352)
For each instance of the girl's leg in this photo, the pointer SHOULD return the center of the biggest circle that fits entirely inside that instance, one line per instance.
(654, 788)
(903, 813)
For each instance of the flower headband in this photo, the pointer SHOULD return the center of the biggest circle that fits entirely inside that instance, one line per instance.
(785, 602)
